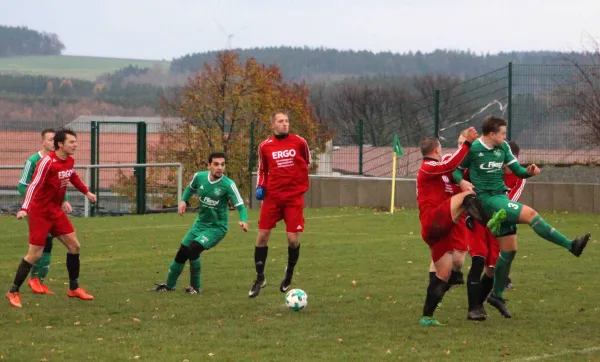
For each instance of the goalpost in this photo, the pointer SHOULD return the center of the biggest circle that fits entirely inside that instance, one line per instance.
(115, 185)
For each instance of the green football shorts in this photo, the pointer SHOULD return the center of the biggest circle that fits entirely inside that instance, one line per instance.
(207, 237)
(493, 203)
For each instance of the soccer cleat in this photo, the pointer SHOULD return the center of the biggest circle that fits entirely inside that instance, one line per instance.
(79, 293)
(496, 221)
(286, 281)
(258, 284)
(579, 244)
(162, 288)
(477, 314)
(474, 209)
(14, 299)
(35, 285)
(500, 304)
(429, 322)
(192, 290)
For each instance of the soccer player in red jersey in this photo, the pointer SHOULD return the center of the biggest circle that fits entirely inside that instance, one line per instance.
(439, 212)
(460, 233)
(282, 181)
(43, 205)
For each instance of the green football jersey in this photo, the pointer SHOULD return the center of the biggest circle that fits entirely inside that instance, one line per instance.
(27, 172)
(486, 166)
(213, 210)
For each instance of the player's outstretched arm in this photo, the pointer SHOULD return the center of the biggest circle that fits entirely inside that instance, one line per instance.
(243, 217)
(79, 185)
(522, 172)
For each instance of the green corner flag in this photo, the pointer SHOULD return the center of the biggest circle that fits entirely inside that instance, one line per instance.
(397, 148)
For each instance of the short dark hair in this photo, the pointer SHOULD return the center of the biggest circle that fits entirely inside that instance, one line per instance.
(514, 148)
(492, 124)
(61, 136)
(279, 112)
(215, 155)
(428, 145)
(47, 130)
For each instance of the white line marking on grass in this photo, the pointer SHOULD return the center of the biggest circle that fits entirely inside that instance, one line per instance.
(560, 354)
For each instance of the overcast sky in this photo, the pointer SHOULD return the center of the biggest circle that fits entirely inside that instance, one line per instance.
(162, 29)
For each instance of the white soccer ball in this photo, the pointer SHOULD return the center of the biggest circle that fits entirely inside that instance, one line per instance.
(296, 299)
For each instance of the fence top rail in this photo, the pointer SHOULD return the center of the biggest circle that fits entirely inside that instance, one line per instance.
(12, 167)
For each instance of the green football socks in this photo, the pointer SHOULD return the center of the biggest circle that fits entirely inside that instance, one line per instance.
(501, 271)
(175, 270)
(549, 233)
(195, 271)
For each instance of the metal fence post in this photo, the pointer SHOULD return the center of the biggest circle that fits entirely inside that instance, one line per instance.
(361, 141)
(509, 105)
(141, 171)
(94, 161)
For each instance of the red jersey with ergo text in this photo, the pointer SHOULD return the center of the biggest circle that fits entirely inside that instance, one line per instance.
(49, 183)
(283, 167)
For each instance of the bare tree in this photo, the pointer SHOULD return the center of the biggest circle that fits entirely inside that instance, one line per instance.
(579, 96)
(381, 108)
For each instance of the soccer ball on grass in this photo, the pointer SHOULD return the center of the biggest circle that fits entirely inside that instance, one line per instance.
(296, 299)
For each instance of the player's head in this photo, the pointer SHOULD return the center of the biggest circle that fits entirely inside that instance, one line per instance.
(514, 148)
(431, 147)
(216, 164)
(48, 140)
(494, 128)
(65, 140)
(280, 123)
(462, 137)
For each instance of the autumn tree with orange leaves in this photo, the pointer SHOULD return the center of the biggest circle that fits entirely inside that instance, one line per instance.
(219, 108)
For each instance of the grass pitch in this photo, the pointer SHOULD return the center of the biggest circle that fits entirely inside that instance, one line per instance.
(555, 303)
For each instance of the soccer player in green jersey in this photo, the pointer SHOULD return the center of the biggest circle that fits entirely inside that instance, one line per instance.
(39, 271)
(214, 191)
(485, 162)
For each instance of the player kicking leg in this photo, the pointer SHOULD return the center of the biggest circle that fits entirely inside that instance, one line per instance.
(507, 214)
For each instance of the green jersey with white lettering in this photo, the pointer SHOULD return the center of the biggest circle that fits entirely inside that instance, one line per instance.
(213, 210)
(486, 166)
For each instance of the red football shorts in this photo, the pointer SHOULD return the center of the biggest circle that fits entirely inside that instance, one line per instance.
(41, 224)
(440, 232)
(484, 244)
(290, 211)
(461, 235)
(437, 223)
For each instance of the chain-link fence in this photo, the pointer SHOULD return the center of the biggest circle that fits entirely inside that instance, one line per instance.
(550, 109)
(542, 103)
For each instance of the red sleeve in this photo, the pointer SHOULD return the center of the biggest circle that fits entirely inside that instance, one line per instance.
(433, 168)
(263, 170)
(76, 181)
(517, 190)
(305, 150)
(38, 178)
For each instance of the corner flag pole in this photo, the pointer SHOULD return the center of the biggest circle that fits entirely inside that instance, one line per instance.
(397, 152)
